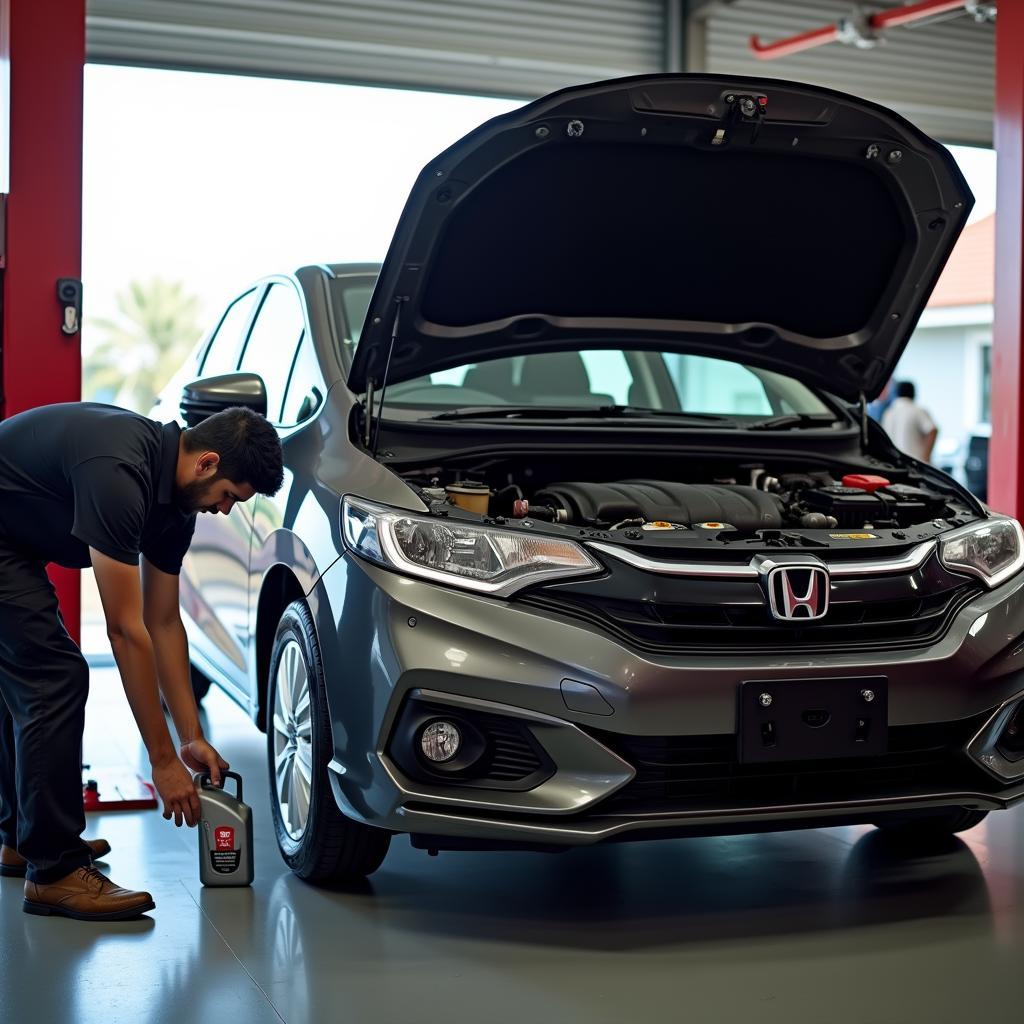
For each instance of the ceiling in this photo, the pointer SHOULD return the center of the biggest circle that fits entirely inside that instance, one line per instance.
(939, 75)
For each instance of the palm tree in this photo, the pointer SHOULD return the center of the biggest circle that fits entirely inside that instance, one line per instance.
(140, 348)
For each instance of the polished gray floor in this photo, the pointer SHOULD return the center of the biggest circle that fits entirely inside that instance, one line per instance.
(828, 926)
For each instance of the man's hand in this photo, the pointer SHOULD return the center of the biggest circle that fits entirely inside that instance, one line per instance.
(201, 757)
(178, 792)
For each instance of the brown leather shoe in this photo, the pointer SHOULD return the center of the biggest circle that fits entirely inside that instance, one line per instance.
(13, 865)
(87, 895)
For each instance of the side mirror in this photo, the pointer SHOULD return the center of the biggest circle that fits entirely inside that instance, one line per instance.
(203, 398)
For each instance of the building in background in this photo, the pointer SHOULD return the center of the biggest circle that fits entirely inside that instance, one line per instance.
(949, 357)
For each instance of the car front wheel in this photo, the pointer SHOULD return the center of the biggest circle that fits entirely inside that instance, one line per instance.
(317, 841)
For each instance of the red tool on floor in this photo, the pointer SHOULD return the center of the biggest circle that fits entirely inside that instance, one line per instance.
(117, 789)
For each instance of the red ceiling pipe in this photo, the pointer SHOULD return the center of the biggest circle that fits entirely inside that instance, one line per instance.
(910, 13)
(786, 47)
(893, 18)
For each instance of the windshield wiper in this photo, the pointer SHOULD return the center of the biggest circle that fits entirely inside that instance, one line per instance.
(800, 420)
(508, 412)
(645, 412)
(533, 412)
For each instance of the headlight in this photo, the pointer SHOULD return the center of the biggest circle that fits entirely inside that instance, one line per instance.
(481, 558)
(992, 550)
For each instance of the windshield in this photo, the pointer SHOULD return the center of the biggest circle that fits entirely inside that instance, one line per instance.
(660, 381)
(596, 378)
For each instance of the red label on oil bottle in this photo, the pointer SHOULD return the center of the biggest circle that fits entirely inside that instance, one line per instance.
(224, 837)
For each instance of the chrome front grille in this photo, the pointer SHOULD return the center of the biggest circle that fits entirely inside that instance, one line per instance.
(674, 627)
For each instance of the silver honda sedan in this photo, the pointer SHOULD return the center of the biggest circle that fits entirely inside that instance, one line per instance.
(585, 533)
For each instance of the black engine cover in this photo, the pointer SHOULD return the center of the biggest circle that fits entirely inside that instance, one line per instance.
(606, 504)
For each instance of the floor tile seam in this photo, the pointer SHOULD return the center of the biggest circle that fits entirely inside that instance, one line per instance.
(230, 949)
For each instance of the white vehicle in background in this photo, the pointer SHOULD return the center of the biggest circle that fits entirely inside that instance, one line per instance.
(966, 459)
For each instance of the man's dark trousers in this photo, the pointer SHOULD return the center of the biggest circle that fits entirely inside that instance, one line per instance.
(44, 682)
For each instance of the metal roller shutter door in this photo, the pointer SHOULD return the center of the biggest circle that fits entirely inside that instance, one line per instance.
(491, 47)
(939, 75)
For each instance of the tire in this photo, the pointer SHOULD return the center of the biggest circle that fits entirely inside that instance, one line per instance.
(317, 841)
(200, 683)
(942, 821)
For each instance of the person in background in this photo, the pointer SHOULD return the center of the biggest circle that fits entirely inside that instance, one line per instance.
(876, 409)
(911, 428)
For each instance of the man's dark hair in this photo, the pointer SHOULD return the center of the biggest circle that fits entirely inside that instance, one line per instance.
(248, 446)
(906, 389)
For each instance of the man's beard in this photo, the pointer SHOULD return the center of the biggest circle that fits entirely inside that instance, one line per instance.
(193, 497)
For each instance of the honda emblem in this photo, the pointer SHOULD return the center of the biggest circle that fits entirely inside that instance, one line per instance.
(798, 592)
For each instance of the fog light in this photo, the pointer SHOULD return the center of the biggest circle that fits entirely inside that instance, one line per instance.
(999, 747)
(1011, 742)
(440, 741)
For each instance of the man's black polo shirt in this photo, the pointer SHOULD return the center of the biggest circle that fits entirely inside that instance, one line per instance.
(82, 475)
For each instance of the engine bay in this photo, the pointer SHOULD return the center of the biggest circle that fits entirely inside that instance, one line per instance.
(752, 504)
(824, 503)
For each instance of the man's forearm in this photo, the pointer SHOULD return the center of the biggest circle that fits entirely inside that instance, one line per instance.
(133, 652)
(170, 645)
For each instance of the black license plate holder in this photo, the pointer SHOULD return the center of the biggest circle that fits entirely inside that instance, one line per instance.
(813, 719)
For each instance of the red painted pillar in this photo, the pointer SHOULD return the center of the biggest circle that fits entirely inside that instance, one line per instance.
(1006, 453)
(40, 364)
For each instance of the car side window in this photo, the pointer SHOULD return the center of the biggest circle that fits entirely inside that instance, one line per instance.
(306, 388)
(222, 352)
(356, 300)
(273, 340)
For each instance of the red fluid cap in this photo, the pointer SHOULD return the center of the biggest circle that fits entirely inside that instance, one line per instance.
(865, 482)
(520, 509)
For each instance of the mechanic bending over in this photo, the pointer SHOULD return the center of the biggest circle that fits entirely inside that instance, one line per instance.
(85, 484)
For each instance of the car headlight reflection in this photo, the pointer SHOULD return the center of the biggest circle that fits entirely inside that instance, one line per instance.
(482, 558)
(992, 550)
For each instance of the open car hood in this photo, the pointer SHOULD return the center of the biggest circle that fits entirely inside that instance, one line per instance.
(778, 224)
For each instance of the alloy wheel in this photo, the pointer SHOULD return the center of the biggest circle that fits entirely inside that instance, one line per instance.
(293, 740)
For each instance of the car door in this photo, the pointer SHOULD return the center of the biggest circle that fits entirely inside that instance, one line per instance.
(220, 548)
(207, 635)
(295, 507)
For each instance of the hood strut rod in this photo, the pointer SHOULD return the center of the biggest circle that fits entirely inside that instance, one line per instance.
(863, 420)
(375, 420)
(368, 414)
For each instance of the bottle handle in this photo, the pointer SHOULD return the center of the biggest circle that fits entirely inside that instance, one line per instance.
(203, 779)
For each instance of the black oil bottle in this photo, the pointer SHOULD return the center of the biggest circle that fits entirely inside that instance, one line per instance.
(225, 833)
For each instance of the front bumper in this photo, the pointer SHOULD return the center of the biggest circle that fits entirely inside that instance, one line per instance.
(386, 639)
(488, 830)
